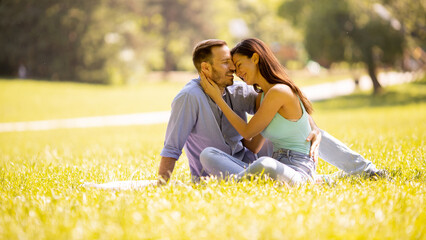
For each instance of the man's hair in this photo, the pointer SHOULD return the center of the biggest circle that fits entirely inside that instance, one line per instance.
(203, 51)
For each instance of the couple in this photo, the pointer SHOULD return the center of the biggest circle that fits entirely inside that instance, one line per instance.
(208, 119)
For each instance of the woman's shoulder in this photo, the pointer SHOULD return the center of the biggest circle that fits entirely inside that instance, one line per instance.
(281, 90)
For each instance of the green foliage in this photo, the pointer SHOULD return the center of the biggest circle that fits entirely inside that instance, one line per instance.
(262, 21)
(120, 41)
(45, 36)
(178, 25)
(378, 39)
(410, 15)
(349, 31)
(100, 41)
(326, 34)
(42, 172)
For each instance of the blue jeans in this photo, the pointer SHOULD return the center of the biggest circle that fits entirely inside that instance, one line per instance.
(331, 150)
(338, 154)
(287, 166)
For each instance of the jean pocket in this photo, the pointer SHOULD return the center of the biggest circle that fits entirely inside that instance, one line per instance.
(283, 159)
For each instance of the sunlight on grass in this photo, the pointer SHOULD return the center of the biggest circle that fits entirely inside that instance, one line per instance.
(304, 78)
(40, 100)
(30, 100)
(42, 172)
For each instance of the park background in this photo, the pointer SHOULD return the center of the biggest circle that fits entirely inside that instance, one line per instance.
(71, 59)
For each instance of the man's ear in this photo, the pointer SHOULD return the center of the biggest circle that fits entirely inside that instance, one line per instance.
(255, 58)
(206, 68)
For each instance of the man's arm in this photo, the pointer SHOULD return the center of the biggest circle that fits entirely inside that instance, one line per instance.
(315, 139)
(167, 164)
(181, 122)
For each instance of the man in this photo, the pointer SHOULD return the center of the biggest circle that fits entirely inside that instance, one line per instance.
(196, 122)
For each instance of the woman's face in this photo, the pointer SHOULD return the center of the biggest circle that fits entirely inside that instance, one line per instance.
(245, 67)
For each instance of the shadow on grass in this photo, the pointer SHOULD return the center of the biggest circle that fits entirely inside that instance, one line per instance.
(399, 95)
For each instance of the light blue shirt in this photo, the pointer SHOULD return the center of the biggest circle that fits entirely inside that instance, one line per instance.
(196, 122)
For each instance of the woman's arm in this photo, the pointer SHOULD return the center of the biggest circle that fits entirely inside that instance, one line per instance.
(256, 143)
(273, 101)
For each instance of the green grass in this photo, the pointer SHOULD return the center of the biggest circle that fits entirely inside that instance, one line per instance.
(31, 100)
(304, 78)
(41, 173)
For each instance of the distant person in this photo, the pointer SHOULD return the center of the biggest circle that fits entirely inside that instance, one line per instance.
(22, 71)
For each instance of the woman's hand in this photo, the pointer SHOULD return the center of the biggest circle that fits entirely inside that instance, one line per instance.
(210, 87)
(315, 139)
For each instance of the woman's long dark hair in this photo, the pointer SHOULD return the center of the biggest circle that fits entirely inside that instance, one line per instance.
(269, 66)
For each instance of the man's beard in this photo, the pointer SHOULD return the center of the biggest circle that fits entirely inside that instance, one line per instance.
(216, 78)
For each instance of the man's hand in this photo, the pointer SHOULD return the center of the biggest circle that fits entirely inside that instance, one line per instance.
(165, 170)
(315, 139)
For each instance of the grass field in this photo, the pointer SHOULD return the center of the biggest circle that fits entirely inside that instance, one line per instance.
(40, 100)
(31, 100)
(41, 173)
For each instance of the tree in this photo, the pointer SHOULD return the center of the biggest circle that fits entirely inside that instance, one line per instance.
(326, 33)
(410, 15)
(97, 41)
(377, 42)
(44, 36)
(177, 25)
(338, 30)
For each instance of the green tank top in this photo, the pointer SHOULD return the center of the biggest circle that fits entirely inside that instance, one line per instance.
(288, 134)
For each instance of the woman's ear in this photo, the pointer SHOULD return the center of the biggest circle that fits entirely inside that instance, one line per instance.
(255, 58)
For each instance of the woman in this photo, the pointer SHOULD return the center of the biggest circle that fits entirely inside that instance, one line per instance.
(281, 116)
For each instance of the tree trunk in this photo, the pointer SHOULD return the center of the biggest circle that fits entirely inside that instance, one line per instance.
(372, 73)
(168, 58)
(371, 68)
(168, 62)
(169, 18)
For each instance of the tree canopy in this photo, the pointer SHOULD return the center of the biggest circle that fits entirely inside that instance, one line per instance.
(118, 41)
(344, 30)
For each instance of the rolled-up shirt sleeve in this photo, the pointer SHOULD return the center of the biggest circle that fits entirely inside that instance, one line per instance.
(182, 120)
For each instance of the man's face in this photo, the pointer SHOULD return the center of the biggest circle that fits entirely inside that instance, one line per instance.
(222, 67)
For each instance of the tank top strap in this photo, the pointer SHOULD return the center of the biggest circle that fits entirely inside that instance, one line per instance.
(301, 105)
